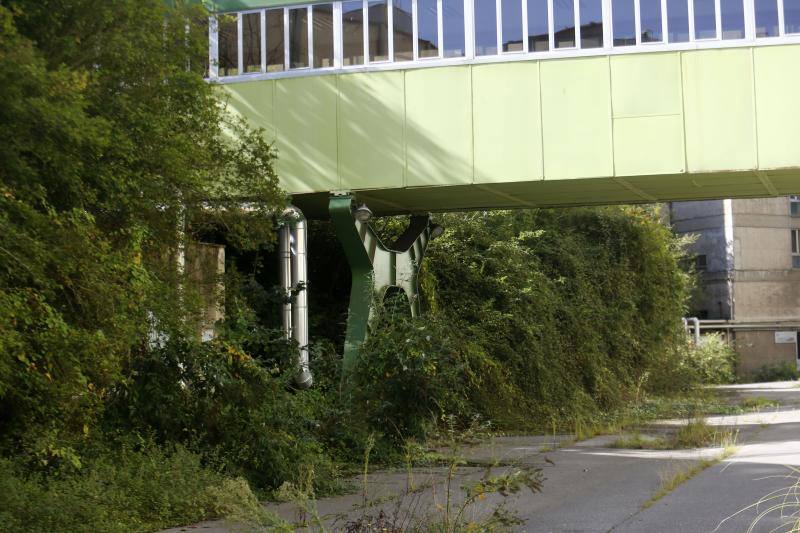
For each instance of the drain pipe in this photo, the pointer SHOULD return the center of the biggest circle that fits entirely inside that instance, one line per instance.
(294, 277)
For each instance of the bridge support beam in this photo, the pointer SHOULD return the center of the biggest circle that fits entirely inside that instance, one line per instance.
(376, 268)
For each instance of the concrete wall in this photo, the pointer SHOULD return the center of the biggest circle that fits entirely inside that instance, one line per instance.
(705, 220)
(758, 348)
(205, 265)
(765, 285)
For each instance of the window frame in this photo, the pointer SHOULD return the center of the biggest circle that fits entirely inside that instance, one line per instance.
(795, 247)
(608, 48)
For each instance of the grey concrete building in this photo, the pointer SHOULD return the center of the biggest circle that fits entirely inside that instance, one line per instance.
(747, 253)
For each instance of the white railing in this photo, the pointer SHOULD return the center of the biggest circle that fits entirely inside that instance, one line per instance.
(355, 35)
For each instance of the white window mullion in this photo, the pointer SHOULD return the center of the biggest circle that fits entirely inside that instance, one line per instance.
(608, 29)
(781, 19)
(664, 27)
(469, 28)
(691, 20)
(365, 26)
(213, 48)
(440, 26)
(286, 56)
(577, 4)
(263, 40)
(749, 20)
(525, 26)
(718, 9)
(310, 41)
(551, 33)
(239, 43)
(415, 29)
(498, 16)
(637, 16)
(390, 23)
(338, 53)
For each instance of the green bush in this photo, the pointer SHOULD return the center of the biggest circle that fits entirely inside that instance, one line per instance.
(783, 371)
(713, 360)
(408, 375)
(130, 487)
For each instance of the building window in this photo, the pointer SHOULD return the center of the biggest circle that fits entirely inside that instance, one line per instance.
(298, 38)
(378, 22)
(485, 28)
(794, 206)
(322, 18)
(427, 28)
(701, 263)
(538, 32)
(228, 39)
(251, 42)
(650, 15)
(796, 248)
(353, 33)
(275, 56)
(678, 21)
(512, 25)
(344, 33)
(403, 30)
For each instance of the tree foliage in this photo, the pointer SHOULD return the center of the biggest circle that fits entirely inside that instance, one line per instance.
(113, 146)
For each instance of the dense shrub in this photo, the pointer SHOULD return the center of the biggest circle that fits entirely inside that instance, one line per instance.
(133, 486)
(713, 360)
(784, 371)
(574, 305)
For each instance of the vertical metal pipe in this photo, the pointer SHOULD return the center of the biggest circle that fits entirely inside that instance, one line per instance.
(285, 256)
(299, 305)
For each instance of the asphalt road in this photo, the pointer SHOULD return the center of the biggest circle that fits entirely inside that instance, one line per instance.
(592, 487)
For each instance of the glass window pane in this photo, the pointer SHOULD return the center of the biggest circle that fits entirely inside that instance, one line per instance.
(275, 57)
(678, 21)
(227, 37)
(650, 11)
(766, 18)
(591, 23)
(511, 25)
(485, 28)
(564, 23)
(791, 16)
(352, 33)
(623, 13)
(251, 42)
(538, 39)
(453, 22)
(378, 20)
(403, 30)
(298, 38)
(732, 19)
(427, 28)
(323, 35)
(705, 19)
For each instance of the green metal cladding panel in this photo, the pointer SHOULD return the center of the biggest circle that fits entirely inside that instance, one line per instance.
(508, 124)
(646, 98)
(690, 124)
(305, 121)
(371, 130)
(254, 102)
(438, 126)
(720, 110)
(576, 118)
(777, 79)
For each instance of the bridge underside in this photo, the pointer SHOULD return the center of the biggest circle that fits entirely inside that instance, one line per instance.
(564, 193)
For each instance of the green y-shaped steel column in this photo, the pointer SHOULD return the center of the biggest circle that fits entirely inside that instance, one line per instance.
(375, 267)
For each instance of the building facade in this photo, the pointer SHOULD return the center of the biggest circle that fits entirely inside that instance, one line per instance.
(747, 254)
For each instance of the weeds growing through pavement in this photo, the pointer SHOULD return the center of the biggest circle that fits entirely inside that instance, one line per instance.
(783, 503)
